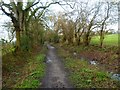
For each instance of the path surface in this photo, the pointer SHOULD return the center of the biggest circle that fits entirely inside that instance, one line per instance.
(56, 77)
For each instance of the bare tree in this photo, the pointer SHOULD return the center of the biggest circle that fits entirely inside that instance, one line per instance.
(21, 16)
(107, 14)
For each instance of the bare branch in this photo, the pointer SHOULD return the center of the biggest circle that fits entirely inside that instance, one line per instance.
(8, 14)
(71, 5)
(42, 7)
(7, 5)
(31, 6)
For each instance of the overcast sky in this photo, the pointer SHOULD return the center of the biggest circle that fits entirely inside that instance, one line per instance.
(56, 8)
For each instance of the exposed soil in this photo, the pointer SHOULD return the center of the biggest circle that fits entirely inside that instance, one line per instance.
(56, 76)
(107, 59)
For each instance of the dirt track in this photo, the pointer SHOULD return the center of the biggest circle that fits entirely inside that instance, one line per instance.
(55, 77)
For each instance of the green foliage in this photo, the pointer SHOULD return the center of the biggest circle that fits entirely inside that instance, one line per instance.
(84, 75)
(7, 48)
(25, 70)
(51, 36)
(27, 83)
(36, 32)
(37, 71)
(55, 38)
(25, 43)
(41, 36)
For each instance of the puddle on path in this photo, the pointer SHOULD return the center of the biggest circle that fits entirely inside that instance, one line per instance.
(48, 60)
(52, 47)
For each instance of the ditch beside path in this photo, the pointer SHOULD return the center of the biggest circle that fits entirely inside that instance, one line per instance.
(56, 76)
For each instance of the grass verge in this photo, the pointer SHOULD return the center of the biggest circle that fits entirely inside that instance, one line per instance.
(24, 70)
(35, 72)
(84, 75)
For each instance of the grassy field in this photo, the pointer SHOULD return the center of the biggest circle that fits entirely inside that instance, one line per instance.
(111, 40)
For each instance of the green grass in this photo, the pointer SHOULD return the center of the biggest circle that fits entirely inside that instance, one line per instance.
(36, 73)
(84, 75)
(111, 40)
(24, 69)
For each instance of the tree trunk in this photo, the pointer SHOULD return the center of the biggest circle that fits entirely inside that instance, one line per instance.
(86, 40)
(78, 41)
(17, 40)
(101, 41)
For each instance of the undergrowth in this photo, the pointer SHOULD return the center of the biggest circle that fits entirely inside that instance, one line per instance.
(24, 70)
(36, 69)
(84, 75)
